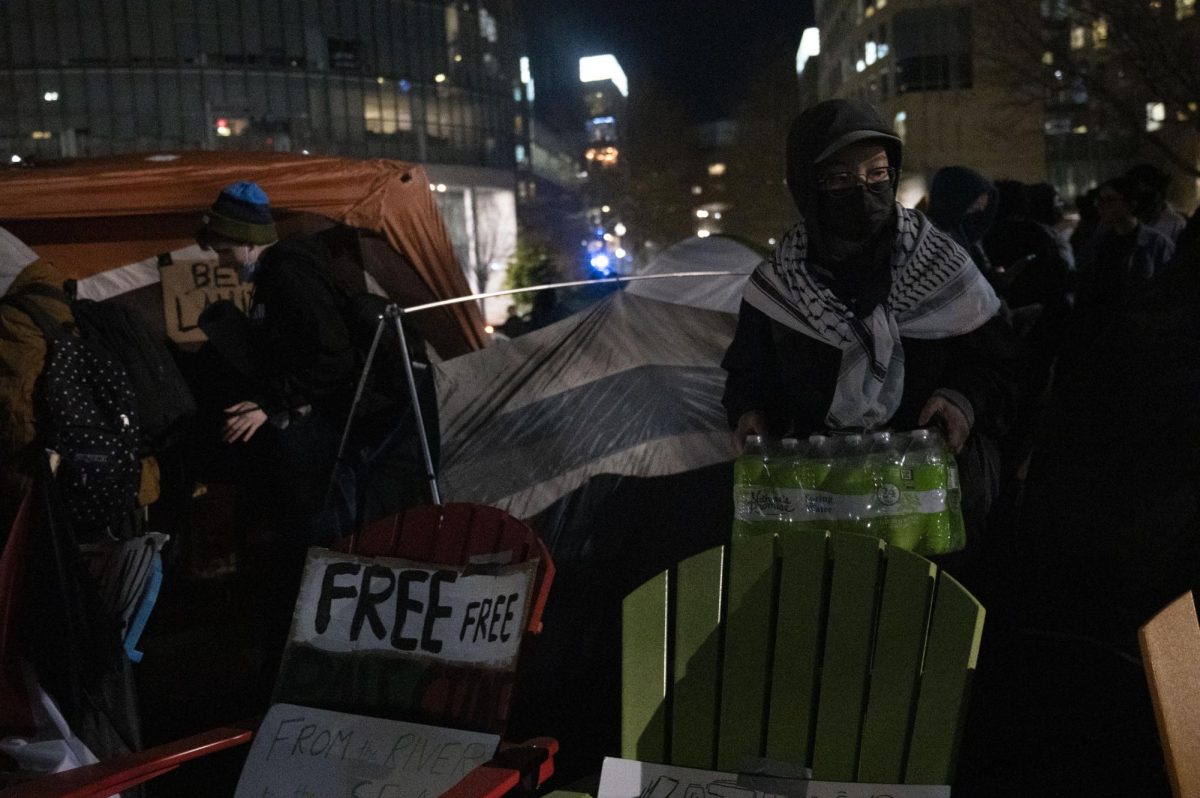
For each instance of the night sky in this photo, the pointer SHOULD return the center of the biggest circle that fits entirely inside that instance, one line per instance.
(702, 51)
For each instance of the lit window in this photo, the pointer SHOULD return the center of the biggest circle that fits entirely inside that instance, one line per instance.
(702, 233)
(1184, 8)
(871, 53)
(1100, 33)
(697, 190)
(870, 12)
(1048, 58)
(882, 50)
(701, 214)
(1156, 114)
(1078, 37)
(605, 209)
(716, 169)
(605, 156)
(620, 229)
(41, 135)
(50, 96)
(860, 66)
(439, 78)
(1080, 129)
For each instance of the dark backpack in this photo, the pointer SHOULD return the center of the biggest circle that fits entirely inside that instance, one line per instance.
(162, 395)
(87, 413)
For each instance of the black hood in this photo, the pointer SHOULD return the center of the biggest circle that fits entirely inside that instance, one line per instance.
(954, 190)
(826, 128)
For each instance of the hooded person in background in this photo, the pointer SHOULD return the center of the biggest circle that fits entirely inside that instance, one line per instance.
(963, 204)
(866, 316)
(1151, 204)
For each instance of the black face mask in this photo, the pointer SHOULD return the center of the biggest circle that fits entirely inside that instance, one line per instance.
(974, 225)
(857, 217)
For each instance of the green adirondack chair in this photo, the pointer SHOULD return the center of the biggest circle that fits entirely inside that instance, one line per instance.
(828, 650)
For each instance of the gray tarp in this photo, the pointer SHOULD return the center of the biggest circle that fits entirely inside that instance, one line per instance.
(629, 386)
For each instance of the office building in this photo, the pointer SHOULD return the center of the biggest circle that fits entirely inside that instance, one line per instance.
(919, 62)
(431, 81)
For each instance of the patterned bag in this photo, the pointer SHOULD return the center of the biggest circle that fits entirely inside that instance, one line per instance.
(86, 413)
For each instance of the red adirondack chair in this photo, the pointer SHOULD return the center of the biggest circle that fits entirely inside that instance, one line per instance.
(451, 534)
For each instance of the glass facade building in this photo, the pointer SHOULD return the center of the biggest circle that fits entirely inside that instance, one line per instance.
(424, 80)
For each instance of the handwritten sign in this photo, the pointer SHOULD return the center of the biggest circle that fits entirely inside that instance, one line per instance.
(313, 753)
(625, 778)
(193, 281)
(468, 616)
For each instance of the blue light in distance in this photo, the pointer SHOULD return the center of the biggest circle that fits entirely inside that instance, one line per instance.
(600, 262)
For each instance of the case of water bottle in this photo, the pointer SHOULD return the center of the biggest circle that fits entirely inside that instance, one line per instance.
(899, 486)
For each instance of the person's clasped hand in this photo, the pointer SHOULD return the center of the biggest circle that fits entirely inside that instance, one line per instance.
(243, 421)
(949, 418)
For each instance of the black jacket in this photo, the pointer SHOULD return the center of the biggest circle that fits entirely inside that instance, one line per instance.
(300, 341)
(791, 377)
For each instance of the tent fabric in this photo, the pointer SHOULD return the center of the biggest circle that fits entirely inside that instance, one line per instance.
(712, 254)
(630, 386)
(93, 215)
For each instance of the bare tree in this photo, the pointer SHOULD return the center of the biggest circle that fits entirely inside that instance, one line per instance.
(1112, 59)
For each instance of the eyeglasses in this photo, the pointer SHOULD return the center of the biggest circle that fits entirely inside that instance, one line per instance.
(840, 184)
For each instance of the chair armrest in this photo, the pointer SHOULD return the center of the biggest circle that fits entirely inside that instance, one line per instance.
(516, 767)
(120, 773)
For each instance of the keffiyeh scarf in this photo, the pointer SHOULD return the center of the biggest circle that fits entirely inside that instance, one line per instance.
(937, 292)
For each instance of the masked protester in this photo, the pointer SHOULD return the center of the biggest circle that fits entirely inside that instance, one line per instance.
(963, 203)
(866, 316)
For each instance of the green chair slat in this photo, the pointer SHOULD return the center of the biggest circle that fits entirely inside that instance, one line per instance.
(848, 636)
(950, 654)
(644, 672)
(746, 668)
(697, 651)
(798, 634)
(899, 643)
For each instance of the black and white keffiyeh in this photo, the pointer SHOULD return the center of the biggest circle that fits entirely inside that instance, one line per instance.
(937, 292)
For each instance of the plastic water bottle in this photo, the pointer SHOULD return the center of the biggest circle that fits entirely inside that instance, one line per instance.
(758, 505)
(848, 485)
(889, 513)
(958, 528)
(816, 461)
(925, 461)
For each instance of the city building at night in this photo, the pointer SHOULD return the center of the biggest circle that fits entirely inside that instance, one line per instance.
(605, 94)
(919, 62)
(430, 81)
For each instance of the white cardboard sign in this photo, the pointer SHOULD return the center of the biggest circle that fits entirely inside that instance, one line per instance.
(315, 753)
(466, 616)
(626, 778)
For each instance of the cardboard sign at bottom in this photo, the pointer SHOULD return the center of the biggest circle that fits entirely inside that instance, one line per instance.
(626, 778)
(301, 752)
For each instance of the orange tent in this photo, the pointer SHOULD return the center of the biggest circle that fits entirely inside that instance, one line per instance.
(94, 215)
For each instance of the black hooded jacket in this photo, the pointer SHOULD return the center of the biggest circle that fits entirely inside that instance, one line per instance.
(791, 378)
(955, 189)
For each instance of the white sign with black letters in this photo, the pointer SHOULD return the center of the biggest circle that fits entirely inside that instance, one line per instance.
(300, 752)
(473, 615)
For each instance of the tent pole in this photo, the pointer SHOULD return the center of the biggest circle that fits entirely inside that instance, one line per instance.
(396, 312)
(358, 393)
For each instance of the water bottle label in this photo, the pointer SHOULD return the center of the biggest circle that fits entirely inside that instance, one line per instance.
(756, 503)
(821, 505)
(952, 477)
